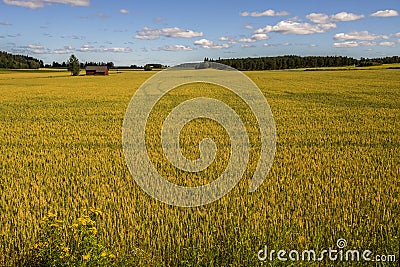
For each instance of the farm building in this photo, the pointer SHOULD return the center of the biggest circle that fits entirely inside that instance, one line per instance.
(96, 70)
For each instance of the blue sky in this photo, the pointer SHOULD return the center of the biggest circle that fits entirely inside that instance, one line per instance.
(172, 32)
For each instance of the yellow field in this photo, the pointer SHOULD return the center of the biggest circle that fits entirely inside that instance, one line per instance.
(335, 175)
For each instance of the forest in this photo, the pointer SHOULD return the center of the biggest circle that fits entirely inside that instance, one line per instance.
(296, 62)
(10, 61)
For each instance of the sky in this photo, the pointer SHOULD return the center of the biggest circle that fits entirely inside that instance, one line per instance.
(129, 32)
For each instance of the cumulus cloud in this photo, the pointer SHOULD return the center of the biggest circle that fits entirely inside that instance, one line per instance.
(31, 49)
(124, 11)
(117, 50)
(318, 18)
(254, 38)
(249, 27)
(173, 48)
(295, 27)
(247, 40)
(344, 16)
(385, 13)
(363, 35)
(91, 49)
(351, 44)
(33, 46)
(65, 50)
(208, 44)
(247, 46)
(152, 34)
(266, 13)
(34, 4)
(86, 48)
(390, 44)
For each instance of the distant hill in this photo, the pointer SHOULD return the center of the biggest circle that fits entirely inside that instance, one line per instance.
(10, 61)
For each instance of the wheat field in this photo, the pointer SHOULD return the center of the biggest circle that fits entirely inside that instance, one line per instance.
(335, 175)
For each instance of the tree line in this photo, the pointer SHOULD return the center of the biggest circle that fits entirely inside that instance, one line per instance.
(295, 62)
(10, 61)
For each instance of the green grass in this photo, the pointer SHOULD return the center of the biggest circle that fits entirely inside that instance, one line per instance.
(335, 175)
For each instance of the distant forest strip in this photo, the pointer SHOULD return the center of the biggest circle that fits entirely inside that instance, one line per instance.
(296, 62)
(10, 61)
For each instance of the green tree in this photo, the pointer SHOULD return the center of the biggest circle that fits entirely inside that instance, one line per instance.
(73, 65)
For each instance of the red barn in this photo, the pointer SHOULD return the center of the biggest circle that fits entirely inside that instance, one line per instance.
(96, 70)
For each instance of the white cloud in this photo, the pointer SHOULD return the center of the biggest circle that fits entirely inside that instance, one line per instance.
(204, 43)
(318, 18)
(294, 27)
(64, 50)
(259, 36)
(223, 38)
(254, 38)
(176, 48)
(33, 46)
(266, 13)
(385, 13)
(397, 34)
(86, 48)
(247, 40)
(351, 44)
(249, 27)
(124, 11)
(33, 4)
(247, 46)
(363, 35)
(391, 44)
(5, 24)
(117, 50)
(344, 16)
(90, 49)
(152, 34)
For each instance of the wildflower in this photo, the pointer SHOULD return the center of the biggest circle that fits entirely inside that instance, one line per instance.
(82, 220)
(66, 249)
(112, 256)
(103, 254)
(86, 257)
(94, 230)
(49, 214)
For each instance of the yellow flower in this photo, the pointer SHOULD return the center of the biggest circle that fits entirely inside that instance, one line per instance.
(94, 230)
(103, 254)
(66, 249)
(86, 257)
(82, 220)
(112, 256)
(49, 214)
